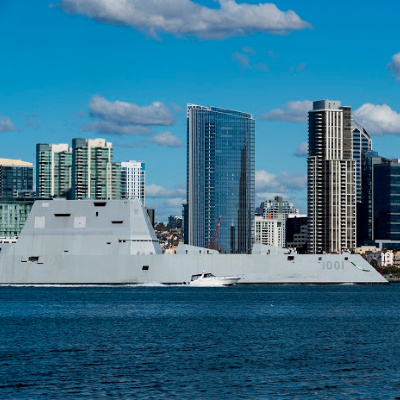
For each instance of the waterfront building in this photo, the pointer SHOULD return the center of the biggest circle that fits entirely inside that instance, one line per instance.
(297, 232)
(268, 231)
(16, 178)
(151, 212)
(133, 180)
(362, 143)
(175, 222)
(383, 258)
(220, 178)
(53, 170)
(13, 214)
(92, 169)
(385, 202)
(331, 179)
(273, 221)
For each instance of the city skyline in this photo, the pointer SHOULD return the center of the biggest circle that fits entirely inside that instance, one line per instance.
(69, 73)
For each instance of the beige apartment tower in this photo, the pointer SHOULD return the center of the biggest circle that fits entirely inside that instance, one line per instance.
(331, 179)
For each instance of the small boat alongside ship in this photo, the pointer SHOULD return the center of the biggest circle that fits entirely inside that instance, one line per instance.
(210, 280)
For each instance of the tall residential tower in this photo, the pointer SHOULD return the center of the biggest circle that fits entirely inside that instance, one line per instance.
(133, 180)
(53, 170)
(331, 179)
(220, 177)
(92, 174)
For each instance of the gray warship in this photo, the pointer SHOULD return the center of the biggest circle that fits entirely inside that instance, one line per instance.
(93, 242)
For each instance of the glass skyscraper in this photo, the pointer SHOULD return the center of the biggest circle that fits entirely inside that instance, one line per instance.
(381, 194)
(220, 178)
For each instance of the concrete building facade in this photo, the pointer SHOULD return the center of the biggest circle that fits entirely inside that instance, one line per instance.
(53, 170)
(331, 179)
(133, 180)
(92, 169)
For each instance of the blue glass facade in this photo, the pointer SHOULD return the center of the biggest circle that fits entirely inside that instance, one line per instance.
(386, 186)
(220, 177)
(16, 181)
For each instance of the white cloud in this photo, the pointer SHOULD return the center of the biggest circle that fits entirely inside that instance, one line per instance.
(293, 111)
(176, 202)
(283, 183)
(167, 139)
(113, 127)
(160, 191)
(6, 124)
(185, 17)
(395, 66)
(129, 113)
(302, 150)
(127, 118)
(378, 119)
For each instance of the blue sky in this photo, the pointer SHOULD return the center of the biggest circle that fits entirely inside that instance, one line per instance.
(125, 70)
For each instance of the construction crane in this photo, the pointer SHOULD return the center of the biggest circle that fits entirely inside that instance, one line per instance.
(217, 228)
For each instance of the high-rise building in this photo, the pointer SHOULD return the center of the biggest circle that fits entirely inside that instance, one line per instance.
(362, 143)
(269, 231)
(220, 177)
(297, 232)
(331, 179)
(381, 194)
(92, 169)
(53, 170)
(270, 227)
(16, 178)
(13, 214)
(133, 180)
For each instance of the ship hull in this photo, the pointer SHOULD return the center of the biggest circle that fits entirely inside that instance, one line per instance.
(77, 242)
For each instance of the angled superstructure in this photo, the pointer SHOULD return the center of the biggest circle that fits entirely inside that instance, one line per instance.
(220, 177)
(112, 242)
(331, 179)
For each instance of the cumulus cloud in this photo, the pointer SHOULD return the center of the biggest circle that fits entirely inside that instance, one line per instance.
(188, 18)
(395, 66)
(267, 182)
(129, 113)
(294, 111)
(162, 192)
(6, 124)
(114, 127)
(176, 202)
(302, 150)
(167, 139)
(127, 118)
(378, 119)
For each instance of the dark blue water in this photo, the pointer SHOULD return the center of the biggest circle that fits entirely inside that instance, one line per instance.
(303, 342)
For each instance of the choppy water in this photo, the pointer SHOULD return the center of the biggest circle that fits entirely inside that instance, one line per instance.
(302, 342)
